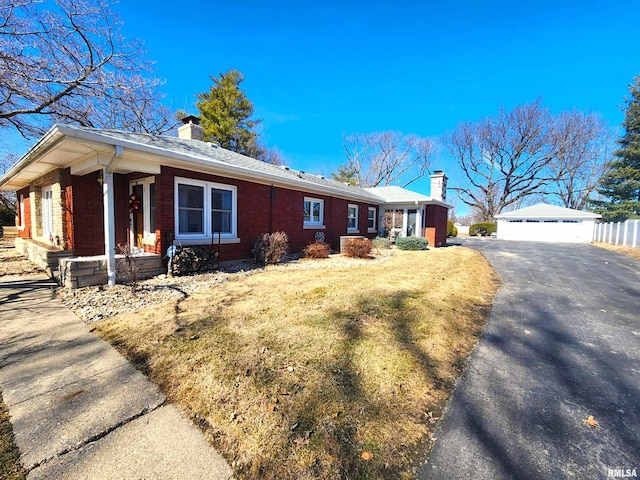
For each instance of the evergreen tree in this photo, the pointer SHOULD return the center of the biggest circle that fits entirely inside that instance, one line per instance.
(620, 188)
(226, 112)
(345, 174)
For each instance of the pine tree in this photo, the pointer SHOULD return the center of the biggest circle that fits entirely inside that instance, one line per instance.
(226, 112)
(620, 188)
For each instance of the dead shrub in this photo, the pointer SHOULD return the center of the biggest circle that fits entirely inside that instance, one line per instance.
(269, 248)
(317, 250)
(357, 247)
(130, 269)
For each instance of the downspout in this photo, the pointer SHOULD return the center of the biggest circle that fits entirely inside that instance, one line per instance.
(108, 202)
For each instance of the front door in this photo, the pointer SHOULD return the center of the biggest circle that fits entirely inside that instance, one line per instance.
(412, 223)
(136, 207)
(142, 213)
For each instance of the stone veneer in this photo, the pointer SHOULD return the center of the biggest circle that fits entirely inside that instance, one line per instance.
(81, 272)
(43, 257)
(52, 179)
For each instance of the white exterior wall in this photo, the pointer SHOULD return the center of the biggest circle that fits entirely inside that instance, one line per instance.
(542, 231)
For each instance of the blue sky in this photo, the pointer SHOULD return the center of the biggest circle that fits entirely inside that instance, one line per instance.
(316, 71)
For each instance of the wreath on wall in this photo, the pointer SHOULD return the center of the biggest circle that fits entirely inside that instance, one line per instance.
(134, 203)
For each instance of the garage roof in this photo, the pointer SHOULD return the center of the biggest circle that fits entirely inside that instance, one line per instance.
(544, 210)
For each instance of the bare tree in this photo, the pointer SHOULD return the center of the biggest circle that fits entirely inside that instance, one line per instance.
(504, 158)
(66, 60)
(8, 199)
(385, 158)
(584, 149)
(271, 155)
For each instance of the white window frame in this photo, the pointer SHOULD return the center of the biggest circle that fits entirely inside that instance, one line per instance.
(311, 223)
(207, 186)
(148, 237)
(373, 229)
(21, 209)
(47, 213)
(356, 209)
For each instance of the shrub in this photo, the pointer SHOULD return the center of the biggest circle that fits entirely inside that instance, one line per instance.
(269, 248)
(193, 259)
(452, 231)
(357, 247)
(317, 250)
(7, 217)
(381, 242)
(483, 229)
(412, 243)
(130, 268)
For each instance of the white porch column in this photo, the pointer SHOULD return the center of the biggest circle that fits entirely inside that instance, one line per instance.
(108, 199)
(419, 232)
(405, 222)
(108, 203)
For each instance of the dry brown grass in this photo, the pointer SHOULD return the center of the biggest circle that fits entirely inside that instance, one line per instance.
(294, 374)
(628, 251)
(10, 467)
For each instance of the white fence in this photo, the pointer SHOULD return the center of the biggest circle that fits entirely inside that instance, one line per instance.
(620, 233)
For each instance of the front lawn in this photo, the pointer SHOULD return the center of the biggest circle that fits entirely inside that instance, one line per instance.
(628, 251)
(10, 467)
(318, 373)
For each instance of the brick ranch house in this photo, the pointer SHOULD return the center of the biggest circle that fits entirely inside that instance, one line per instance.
(82, 192)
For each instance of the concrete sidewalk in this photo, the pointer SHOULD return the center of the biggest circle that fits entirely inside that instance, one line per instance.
(79, 409)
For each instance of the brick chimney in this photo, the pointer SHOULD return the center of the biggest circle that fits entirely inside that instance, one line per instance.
(191, 129)
(439, 186)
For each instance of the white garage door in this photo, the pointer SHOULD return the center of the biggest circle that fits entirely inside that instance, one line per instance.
(546, 230)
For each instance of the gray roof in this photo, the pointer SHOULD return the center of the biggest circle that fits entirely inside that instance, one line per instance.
(72, 144)
(544, 210)
(214, 153)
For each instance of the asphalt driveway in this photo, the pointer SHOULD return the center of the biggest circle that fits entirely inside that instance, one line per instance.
(563, 343)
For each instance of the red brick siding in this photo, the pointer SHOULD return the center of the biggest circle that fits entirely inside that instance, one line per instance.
(436, 219)
(26, 221)
(88, 226)
(261, 208)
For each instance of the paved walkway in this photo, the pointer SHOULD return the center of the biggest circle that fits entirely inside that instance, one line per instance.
(562, 343)
(79, 410)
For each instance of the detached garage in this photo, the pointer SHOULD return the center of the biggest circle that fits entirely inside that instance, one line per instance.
(547, 223)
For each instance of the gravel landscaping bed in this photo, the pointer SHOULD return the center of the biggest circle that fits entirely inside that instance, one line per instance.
(92, 304)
